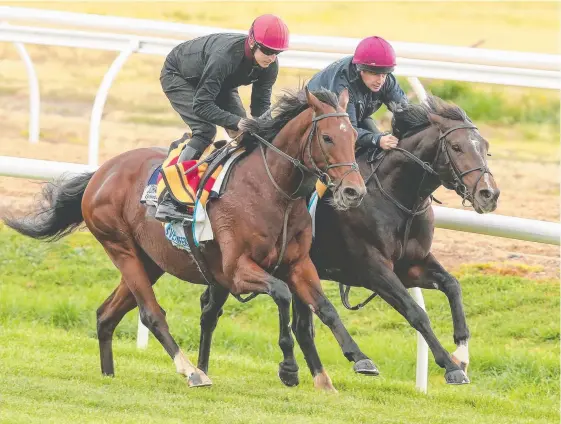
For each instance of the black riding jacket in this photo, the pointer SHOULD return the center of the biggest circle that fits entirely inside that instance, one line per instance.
(363, 102)
(220, 62)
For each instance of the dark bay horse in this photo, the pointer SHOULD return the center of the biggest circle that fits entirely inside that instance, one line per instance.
(261, 215)
(384, 244)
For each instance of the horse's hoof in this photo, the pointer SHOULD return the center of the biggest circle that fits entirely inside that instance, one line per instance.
(323, 382)
(328, 389)
(199, 379)
(366, 367)
(289, 378)
(456, 377)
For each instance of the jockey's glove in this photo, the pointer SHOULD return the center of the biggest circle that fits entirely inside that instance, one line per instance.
(249, 125)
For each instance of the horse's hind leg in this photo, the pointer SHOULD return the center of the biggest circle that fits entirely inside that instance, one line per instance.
(212, 301)
(112, 311)
(109, 314)
(429, 274)
(125, 256)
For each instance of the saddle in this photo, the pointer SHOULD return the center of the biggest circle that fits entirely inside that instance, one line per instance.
(191, 182)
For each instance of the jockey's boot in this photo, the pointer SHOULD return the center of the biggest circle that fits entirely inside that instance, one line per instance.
(168, 209)
(177, 142)
(189, 153)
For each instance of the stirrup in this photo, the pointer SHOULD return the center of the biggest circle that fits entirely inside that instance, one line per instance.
(168, 210)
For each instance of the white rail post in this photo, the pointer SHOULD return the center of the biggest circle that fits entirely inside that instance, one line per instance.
(34, 95)
(418, 88)
(422, 349)
(101, 96)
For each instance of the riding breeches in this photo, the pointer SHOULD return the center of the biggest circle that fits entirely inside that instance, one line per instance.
(181, 93)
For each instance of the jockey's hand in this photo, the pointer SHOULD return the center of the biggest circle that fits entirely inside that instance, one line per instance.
(248, 125)
(233, 133)
(388, 142)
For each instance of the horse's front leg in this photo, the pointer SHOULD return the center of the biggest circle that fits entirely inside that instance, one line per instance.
(429, 274)
(303, 328)
(390, 288)
(305, 282)
(249, 277)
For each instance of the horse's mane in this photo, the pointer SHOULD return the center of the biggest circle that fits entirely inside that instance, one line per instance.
(412, 118)
(288, 106)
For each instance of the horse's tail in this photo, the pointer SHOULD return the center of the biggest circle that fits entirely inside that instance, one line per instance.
(57, 212)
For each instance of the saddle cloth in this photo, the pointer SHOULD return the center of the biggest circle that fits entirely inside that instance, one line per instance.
(313, 203)
(185, 187)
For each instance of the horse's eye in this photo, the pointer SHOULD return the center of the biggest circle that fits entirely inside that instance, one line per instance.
(456, 148)
(327, 139)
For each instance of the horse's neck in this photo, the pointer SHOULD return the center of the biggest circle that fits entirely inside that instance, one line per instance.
(402, 177)
(289, 140)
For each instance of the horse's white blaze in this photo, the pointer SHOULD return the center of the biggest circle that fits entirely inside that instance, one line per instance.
(488, 182)
(476, 146)
(462, 352)
(183, 365)
(486, 176)
(343, 127)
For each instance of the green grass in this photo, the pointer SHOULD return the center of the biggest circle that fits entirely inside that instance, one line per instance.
(49, 363)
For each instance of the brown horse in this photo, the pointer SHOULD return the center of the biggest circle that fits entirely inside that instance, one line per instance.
(384, 245)
(312, 137)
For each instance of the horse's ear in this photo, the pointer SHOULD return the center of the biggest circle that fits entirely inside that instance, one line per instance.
(313, 101)
(437, 120)
(344, 99)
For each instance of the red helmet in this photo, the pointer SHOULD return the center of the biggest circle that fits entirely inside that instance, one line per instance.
(270, 34)
(374, 54)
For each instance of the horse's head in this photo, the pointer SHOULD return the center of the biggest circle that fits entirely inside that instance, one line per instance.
(462, 162)
(330, 149)
(454, 146)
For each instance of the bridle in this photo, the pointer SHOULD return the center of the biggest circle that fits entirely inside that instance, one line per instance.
(316, 172)
(422, 204)
(458, 177)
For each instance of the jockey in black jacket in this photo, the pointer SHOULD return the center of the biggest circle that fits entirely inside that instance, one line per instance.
(201, 77)
(368, 77)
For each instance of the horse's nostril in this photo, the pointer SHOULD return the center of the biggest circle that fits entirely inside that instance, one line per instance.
(350, 192)
(486, 194)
